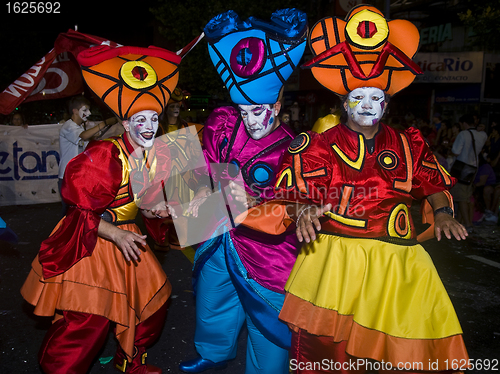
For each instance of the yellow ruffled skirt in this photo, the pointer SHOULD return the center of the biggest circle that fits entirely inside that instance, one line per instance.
(386, 300)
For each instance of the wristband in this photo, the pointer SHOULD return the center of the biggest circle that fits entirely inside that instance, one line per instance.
(445, 209)
(301, 213)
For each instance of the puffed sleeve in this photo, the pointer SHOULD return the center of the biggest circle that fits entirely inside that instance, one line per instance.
(218, 127)
(306, 171)
(91, 182)
(429, 177)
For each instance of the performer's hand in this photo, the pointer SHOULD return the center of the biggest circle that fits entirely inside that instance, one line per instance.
(308, 221)
(198, 200)
(163, 211)
(447, 225)
(241, 195)
(126, 241)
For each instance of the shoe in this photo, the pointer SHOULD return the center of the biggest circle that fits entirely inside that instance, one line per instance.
(199, 364)
(490, 217)
(138, 364)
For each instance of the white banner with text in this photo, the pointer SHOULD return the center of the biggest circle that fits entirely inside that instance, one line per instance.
(460, 67)
(29, 164)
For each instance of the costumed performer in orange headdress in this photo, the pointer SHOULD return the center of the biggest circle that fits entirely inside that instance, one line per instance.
(96, 270)
(363, 294)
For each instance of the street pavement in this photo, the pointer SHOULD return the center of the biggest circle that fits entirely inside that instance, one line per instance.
(470, 271)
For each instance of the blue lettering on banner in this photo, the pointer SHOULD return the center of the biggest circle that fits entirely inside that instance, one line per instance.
(448, 64)
(20, 162)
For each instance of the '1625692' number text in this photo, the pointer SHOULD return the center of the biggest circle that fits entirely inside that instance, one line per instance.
(33, 7)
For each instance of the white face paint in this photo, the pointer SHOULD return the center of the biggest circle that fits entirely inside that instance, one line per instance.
(142, 128)
(259, 120)
(174, 109)
(365, 106)
(84, 112)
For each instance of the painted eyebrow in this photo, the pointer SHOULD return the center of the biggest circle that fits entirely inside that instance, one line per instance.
(258, 108)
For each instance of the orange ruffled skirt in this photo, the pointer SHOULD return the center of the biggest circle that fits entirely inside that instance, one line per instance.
(104, 284)
(387, 301)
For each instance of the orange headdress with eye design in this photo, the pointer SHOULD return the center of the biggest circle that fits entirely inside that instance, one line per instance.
(131, 79)
(363, 51)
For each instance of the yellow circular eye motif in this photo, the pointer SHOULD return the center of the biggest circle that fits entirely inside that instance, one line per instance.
(388, 160)
(138, 74)
(367, 30)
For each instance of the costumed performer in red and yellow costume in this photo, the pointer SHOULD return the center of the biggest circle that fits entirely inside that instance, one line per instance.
(96, 270)
(363, 294)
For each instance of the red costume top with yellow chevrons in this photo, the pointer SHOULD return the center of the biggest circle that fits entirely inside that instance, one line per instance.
(370, 183)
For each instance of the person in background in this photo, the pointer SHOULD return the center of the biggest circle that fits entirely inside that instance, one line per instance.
(17, 119)
(285, 117)
(428, 131)
(453, 133)
(464, 150)
(493, 142)
(442, 133)
(73, 136)
(440, 152)
(294, 110)
(486, 190)
(436, 119)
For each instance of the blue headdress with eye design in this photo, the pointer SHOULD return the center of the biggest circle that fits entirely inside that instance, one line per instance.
(254, 58)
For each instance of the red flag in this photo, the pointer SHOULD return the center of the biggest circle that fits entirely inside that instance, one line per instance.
(55, 76)
(63, 78)
(184, 51)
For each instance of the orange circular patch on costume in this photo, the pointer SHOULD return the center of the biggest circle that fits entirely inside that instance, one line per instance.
(300, 143)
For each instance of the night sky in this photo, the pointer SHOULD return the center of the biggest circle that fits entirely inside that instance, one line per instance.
(26, 38)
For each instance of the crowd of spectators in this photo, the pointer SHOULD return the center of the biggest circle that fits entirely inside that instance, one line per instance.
(483, 202)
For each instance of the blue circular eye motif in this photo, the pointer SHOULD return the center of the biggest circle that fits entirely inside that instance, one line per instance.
(261, 174)
(248, 57)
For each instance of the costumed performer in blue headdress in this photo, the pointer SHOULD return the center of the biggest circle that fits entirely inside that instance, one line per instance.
(240, 275)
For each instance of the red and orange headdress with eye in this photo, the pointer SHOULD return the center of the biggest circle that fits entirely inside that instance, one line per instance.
(364, 51)
(131, 79)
